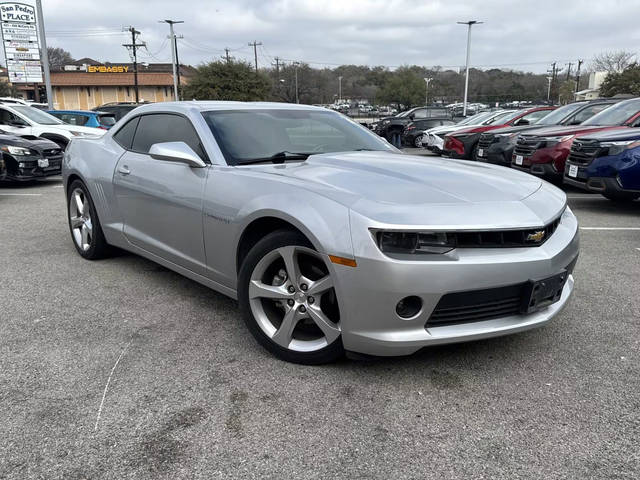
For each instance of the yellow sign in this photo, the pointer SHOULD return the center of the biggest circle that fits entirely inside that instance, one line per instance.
(104, 69)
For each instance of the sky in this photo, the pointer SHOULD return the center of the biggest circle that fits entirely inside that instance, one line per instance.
(520, 35)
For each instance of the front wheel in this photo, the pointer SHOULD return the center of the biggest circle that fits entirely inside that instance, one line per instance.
(84, 225)
(289, 300)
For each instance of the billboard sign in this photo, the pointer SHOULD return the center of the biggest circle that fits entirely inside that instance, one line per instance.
(20, 41)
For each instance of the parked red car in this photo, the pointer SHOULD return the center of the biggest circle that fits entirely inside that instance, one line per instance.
(462, 143)
(544, 152)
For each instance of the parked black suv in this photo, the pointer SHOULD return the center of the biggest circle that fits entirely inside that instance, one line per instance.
(391, 127)
(497, 145)
(412, 133)
(118, 109)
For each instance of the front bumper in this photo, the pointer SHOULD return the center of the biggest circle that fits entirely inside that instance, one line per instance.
(370, 292)
(496, 153)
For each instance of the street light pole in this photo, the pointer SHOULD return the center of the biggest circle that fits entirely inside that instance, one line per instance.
(44, 55)
(340, 89)
(295, 64)
(426, 91)
(549, 89)
(466, 77)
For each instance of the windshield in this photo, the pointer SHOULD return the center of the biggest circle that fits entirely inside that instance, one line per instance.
(616, 114)
(247, 136)
(506, 116)
(559, 114)
(477, 118)
(37, 116)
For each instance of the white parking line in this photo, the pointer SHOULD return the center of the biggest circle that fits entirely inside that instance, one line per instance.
(610, 228)
(20, 194)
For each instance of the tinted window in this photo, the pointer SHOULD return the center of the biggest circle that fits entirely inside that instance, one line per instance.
(72, 119)
(589, 112)
(420, 114)
(8, 118)
(160, 128)
(124, 136)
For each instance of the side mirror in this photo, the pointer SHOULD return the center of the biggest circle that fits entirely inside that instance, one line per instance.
(178, 152)
(17, 124)
(522, 121)
(412, 116)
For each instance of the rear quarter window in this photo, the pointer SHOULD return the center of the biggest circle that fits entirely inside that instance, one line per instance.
(124, 136)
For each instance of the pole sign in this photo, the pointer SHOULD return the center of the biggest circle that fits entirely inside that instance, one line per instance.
(21, 43)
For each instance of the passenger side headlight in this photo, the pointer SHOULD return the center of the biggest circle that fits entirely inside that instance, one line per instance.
(414, 242)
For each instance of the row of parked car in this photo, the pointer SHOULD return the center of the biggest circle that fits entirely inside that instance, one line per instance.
(593, 145)
(32, 141)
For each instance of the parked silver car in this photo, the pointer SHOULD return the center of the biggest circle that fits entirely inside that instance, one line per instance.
(330, 238)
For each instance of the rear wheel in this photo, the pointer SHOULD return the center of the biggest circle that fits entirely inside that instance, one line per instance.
(289, 301)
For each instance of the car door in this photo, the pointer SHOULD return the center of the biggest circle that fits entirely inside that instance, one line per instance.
(161, 201)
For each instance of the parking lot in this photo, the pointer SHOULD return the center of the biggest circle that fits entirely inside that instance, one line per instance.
(123, 369)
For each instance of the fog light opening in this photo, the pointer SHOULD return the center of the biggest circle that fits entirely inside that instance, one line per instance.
(409, 307)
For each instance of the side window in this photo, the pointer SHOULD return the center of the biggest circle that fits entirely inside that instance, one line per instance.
(164, 127)
(8, 118)
(124, 136)
(587, 113)
(420, 114)
(535, 116)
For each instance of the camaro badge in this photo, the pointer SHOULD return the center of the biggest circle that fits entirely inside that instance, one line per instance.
(536, 237)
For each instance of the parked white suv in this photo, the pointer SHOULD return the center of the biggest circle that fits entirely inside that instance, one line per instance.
(25, 120)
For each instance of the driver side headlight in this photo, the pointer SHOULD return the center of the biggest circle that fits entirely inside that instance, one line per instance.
(18, 151)
(414, 242)
(615, 148)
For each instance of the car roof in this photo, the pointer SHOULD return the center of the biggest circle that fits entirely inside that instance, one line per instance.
(225, 105)
(87, 112)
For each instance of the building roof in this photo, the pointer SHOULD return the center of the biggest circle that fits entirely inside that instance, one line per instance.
(85, 79)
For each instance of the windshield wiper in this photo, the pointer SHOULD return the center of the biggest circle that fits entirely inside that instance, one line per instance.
(279, 157)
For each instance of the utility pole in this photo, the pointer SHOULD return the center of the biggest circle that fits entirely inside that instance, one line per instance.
(470, 23)
(570, 64)
(426, 91)
(296, 64)
(44, 55)
(552, 80)
(340, 89)
(255, 52)
(578, 76)
(134, 46)
(277, 59)
(549, 89)
(174, 58)
(226, 54)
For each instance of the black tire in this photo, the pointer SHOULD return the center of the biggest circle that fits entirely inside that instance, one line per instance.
(278, 239)
(621, 197)
(99, 248)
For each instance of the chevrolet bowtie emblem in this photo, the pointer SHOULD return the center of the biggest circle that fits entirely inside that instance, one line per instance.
(536, 237)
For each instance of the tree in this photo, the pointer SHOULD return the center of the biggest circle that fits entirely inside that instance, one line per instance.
(7, 90)
(405, 87)
(59, 57)
(627, 81)
(220, 80)
(613, 61)
(566, 91)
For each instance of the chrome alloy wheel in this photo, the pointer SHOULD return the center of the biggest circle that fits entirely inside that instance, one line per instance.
(292, 298)
(80, 219)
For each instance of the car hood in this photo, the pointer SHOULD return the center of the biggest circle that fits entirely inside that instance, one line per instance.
(613, 135)
(27, 141)
(560, 131)
(450, 128)
(414, 190)
(519, 128)
(77, 128)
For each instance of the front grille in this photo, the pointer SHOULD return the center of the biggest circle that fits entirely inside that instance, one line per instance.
(486, 139)
(477, 305)
(527, 145)
(53, 152)
(531, 237)
(584, 151)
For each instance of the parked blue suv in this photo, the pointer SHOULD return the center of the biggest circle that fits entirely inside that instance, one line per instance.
(86, 118)
(607, 162)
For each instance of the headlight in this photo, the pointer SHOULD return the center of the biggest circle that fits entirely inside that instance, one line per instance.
(414, 242)
(77, 134)
(551, 141)
(16, 150)
(618, 147)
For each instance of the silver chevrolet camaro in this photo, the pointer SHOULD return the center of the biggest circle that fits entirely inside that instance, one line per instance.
(330, 238)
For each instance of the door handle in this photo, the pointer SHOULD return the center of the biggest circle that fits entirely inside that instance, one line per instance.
(124, 170)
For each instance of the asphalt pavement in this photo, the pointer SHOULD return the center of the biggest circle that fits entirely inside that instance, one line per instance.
(122, 369)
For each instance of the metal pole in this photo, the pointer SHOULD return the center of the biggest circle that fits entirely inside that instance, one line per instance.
(135, 64)
(549, 90)
(426, 91)
(44, 55)
(296, 70)
(173, 60)
(466, 77)
(340, 89)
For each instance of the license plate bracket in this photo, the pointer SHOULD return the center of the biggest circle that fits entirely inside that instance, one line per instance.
(573, 171)
(519, 159)
(543, 292)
